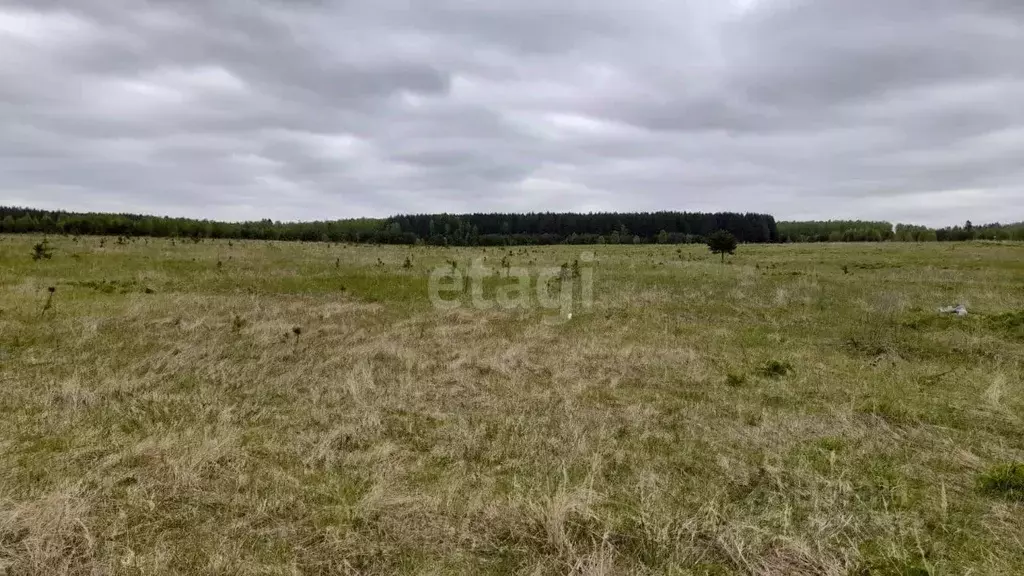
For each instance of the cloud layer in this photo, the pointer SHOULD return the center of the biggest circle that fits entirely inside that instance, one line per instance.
(908, 110)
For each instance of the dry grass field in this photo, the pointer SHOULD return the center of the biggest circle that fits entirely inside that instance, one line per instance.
(268, 408)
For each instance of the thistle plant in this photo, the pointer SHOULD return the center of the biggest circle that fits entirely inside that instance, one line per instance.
(49, 300)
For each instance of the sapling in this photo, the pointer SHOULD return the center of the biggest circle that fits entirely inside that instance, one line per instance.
(42, 251)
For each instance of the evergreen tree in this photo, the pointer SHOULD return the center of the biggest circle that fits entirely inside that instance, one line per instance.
(722, 242)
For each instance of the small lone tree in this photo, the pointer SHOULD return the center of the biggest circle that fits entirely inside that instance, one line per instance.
(722, 242)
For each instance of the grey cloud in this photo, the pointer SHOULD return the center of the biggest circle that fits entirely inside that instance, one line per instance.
(823, 52)
(318, 108)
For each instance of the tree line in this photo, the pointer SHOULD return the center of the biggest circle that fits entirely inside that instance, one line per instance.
(861, 231)
(836, 231)
(501, 228)
(572, 228)
(435, 229)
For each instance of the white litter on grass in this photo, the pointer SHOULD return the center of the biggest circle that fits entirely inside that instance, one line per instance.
(959, 310)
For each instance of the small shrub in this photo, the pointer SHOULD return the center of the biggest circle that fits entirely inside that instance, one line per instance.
(774, 369)
(1006, 481)
(42, 251)
(407, 264)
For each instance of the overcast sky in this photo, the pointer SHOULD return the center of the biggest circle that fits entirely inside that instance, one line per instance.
(906, 110)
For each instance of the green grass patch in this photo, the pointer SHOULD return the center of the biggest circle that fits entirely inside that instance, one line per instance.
(1006, 481)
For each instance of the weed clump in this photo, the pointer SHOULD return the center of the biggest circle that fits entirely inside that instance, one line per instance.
(1011, 323)
(774, 369)
(894, 567)
(735, 380)
(1006, 481)
(112, 286)
(831, 443)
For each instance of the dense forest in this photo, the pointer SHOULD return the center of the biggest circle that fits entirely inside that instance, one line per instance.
(436, 229)
(501, 229)
(835, 231)
(860, 231)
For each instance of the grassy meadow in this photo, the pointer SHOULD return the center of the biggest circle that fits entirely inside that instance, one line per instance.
(245, 408)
